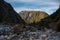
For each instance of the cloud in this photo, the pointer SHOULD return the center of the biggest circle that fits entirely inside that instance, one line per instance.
(48, 10)
(32, 0)
(36, 2)
(20, 0)
(48, 6)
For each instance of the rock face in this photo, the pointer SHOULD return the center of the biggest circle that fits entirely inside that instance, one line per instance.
(32, 16)
(7, 13)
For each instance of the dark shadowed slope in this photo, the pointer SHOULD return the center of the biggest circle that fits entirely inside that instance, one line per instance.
(7, 13)
(53, 21)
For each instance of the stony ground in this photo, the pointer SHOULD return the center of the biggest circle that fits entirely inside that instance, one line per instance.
(48, 34)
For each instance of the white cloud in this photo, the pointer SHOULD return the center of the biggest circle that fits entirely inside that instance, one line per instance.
(54, 4)
(37, 2)
(45, 9)
(32, 0)
(21, 0)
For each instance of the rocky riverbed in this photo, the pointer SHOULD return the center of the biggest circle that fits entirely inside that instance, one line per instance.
(47, 34)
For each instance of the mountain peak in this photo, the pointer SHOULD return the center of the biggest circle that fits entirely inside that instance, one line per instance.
(33, 16)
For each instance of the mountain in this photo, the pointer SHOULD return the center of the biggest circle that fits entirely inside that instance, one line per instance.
(55, 17)
(10, 21)
(8, 14)
(52, 21)
(32, 16)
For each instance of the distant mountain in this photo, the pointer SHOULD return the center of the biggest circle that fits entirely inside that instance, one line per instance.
(7, 13)
(33, 16)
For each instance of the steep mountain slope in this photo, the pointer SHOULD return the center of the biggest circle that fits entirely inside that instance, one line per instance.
(53, 21)
(10, 21)
(32, 16)
(7, 14)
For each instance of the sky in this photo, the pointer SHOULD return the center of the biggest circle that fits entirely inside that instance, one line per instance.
(48, 6)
